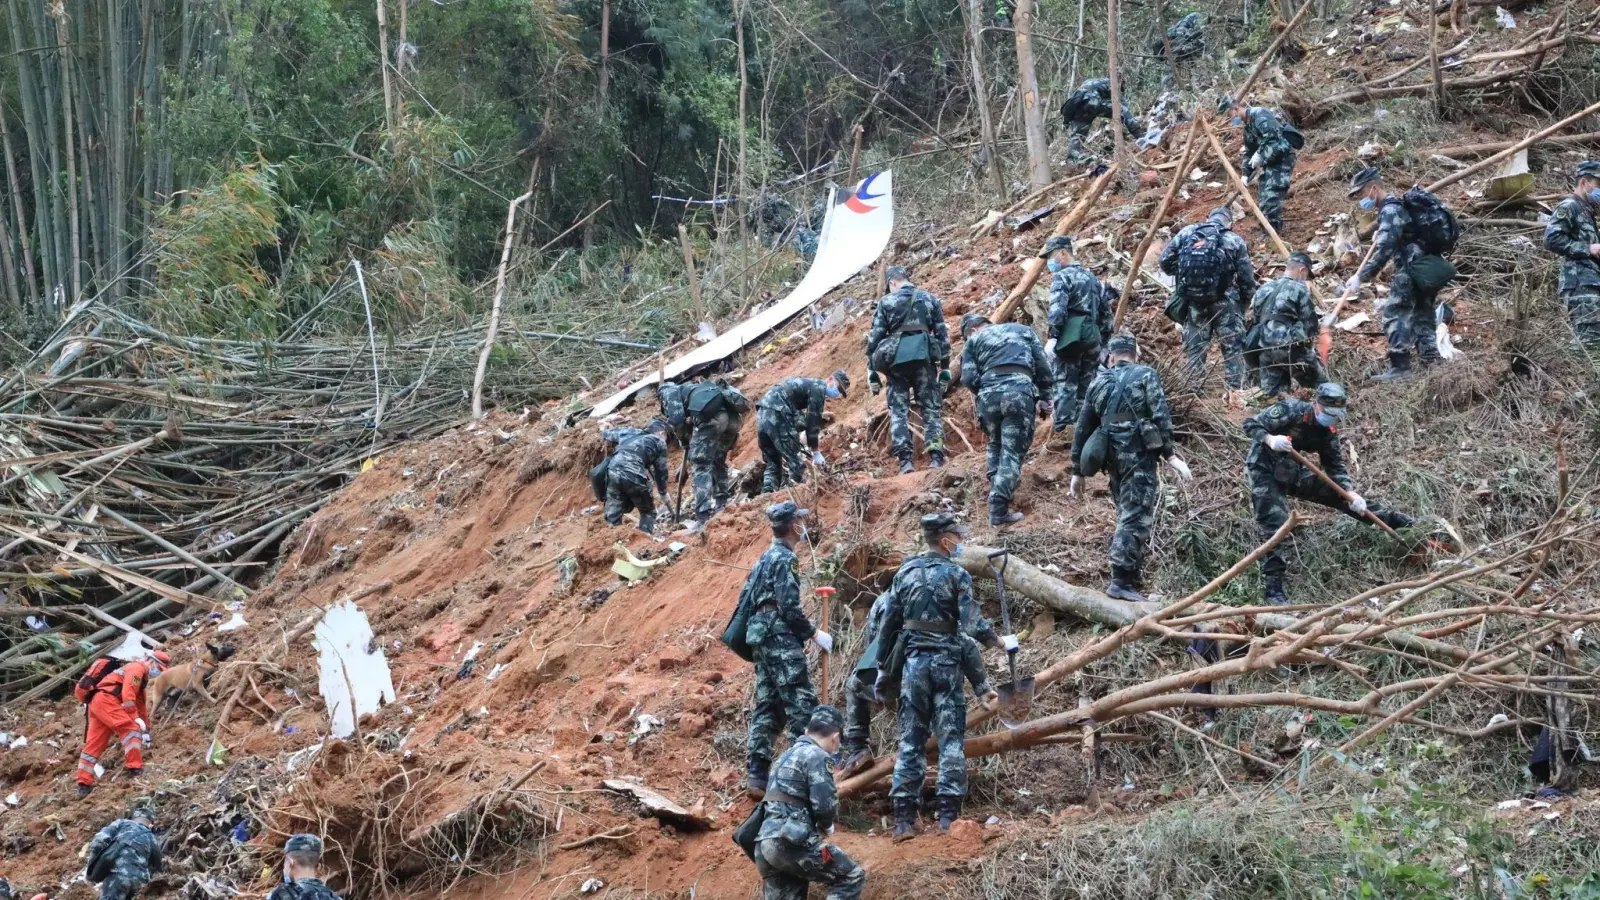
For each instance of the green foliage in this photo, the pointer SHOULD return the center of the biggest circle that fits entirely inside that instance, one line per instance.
(208, 275)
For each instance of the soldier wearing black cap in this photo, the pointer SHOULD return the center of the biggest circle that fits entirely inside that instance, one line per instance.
(801, 805)
(1129, 405)
(793, 404)
(1279, 342)
(1572, 235)
(777, 632)
(910, 344)
(1079, 322)
(1006, 367)
(1309, 428)
(125, 854)
(931, 609)
(302, 871)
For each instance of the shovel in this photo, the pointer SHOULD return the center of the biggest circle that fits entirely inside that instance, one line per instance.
(1016, 695)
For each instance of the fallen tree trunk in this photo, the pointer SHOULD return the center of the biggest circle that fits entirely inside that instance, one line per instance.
(1528, 141)
(1590, 137)
(1034, 267)
(1309, 112)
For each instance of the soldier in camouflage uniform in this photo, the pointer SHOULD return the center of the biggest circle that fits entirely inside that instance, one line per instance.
(1269, 148)
(302, 871)
(1410, 314)
(1091, 101)
(777, 632)
(1128, 402)
(1285, 322)
(1079, 322)
(1310, 428)
(717, 410)
(1006, 367)
(1187, 37)
(1573, 236)
(779, 418)
(931, 610)
(640, 455)
(910, 344)
(135, 854)
(1213, 305)
(800, 808)
(674, 401)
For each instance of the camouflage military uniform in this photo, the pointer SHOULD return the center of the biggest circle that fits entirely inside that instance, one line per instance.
(674, 400)
(1265, 139)
(1141, 421)
(1079, 322)
(932, 610)
(639, 457)
(303, 889)
(1091, 101)
(1006, 367)
(1218, 315)
(801, 805)
(910, 344)
(1408, 317)
(1570, 233)
(777, 634)
(778, 424)
(1275, 476)
(716, 430)
(138, 856)
(1187, 37)
(1281, 338)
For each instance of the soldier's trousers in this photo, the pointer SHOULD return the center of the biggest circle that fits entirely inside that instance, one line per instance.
(920, 382)
(708, 459)
(932, 702)
(117, 887)
(1223, 322)
(1133, 484)
(1283, 364)
(858, 709)
(788, 869)
(1583, 306)
(624, 495)
(1269, 499)
(778, 437)
(1074, 370)
(1272, 190)
(1408, 318)
(1006, 415)
(784, 696)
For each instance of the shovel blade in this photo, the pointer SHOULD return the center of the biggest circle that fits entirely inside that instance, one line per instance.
(1016, 702)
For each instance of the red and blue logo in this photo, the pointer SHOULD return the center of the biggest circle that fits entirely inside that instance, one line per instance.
(856, 202)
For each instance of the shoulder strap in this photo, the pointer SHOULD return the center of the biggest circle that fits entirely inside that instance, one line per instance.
(1119, 394)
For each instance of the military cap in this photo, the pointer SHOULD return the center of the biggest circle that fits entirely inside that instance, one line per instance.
(1363, 178)
(1588, 169)
(141, 810)
(826, 716)
(842, 379)
(897, 273)
(781, 514)
(935, 524)
(1301, 257)
(308, 843)
(1333, 399)
(1058, 242)
(1225, 103)
(1221, 212)
(971, 321)
(1122, 343)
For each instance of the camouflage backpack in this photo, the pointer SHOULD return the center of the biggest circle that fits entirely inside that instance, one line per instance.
(1434, 226)
(1201, 260)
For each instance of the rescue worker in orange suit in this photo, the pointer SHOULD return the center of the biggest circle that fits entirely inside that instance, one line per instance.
(113, 694)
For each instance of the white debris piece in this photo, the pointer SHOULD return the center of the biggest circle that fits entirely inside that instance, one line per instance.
(1506, 20)
(134, 646)
(233, 624)
(353, 667)
(13, 800)
(591, 886)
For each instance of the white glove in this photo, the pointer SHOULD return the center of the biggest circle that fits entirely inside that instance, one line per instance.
(1358, 505)
(1255, 161)
(1353, 285)
(823, 640)
(1075, 487)
(818, 459)
(1049, 346)
(1280, 442)
(1441, 340)
(830, 829)
(1009, 643)
(139, 725)
(1182, 468)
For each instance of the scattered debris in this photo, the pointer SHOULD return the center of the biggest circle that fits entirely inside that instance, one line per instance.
(355, 675)
(659, 806)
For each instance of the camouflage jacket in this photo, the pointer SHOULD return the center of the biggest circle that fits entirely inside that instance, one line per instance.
(1570, 232)
(804, 776)
(137, 849)
(1287, 301)
(1075, 293)
(303, 889)
(639, 457)
(1238, 274)
(773, 592)
(1393, 240)
(1092, 100)
(800, 396)
(911, 309)
(1187, 37)
(931, 588)
(1143, 400)
(1264, 133)
(1295, 419)
(1009, 344)
(733, 401)
(674, 400)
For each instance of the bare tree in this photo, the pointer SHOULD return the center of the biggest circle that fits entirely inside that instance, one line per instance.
(1032, 110)
(980, 94)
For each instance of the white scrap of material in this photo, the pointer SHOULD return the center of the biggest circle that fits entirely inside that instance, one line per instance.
(233, 624)
(134, 646)
(353, 667)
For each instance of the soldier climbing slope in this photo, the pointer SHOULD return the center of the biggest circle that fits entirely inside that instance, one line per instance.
(1006, 367)
(1274, 474)
(717, 410)
(1279, 342)
(800, 808)
(1079, 322)
(302, 871)
(1573, 236)
(1123, 429)
(791, 404)
(1091, 101)
(124, 855)
(639, 457)
(1415, 231)
(910, 345)
(1269, 149)
(1213, 273)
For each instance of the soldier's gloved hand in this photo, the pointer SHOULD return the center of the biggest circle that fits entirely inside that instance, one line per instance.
(945, 380)
(874, 383)
(1049, 346)
(990, 700)
(818, 459)
(823, 640)
(1044, 409)
(877, 689)
(1358, 504)
(1075, 487)
(1594, 250)
(1280, 442)
(1009, 642)
(1353, 285)
(1255, 161)
(1182, 468)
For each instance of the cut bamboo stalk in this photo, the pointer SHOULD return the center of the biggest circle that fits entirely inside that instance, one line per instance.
(1137, 261)
(1033, 268)
(494, 312)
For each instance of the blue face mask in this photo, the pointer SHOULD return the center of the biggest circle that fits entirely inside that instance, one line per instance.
(1237, 121)
(832, 392)
(1367, 203)
(1054, 266)
(960, 549)
(1326, 420)
(804, 535)
(1594, 196)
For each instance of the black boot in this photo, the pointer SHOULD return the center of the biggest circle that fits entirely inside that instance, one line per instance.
(1000, 514)
(936, 459)
(1124, 585)
(757, 784)
(905, 819)
(84, 789)
(1274, 592)
(647, 524)
(1396, 520)
(906, 467)
(949, 812)
(855, 761)
(1399, 367)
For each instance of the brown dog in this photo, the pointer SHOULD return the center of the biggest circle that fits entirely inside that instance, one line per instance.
(177, 681)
